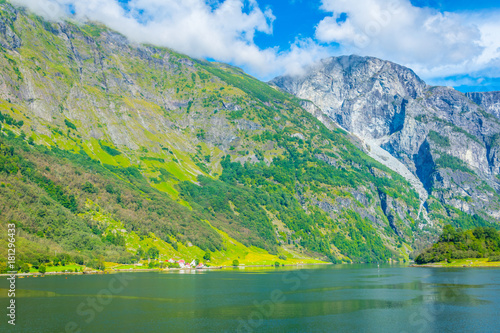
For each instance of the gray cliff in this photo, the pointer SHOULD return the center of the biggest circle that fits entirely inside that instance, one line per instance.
(442, 137)
(489, 101)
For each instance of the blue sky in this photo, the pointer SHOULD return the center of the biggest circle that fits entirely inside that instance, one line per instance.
(453, 43)
(300, 18)
(456, 5)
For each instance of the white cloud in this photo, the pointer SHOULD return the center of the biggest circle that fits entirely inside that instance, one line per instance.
(432, 43)
(222, 30)
(435, 44)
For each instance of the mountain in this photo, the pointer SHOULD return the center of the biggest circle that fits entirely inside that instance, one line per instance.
(437, 134)
(109, 148)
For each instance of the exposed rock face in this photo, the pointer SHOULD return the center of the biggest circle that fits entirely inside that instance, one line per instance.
(8, 38)
(345, 87)
(490, 101)
(438, 133)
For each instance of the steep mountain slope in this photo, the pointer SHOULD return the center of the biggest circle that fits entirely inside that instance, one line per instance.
(439, 134)
(109, 148)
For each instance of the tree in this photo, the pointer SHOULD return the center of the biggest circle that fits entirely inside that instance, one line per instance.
(236, 263)
(3, 268)
(35, 263)
(42, 269)
(79, 260)
(110, 189)
(97, 264)
(25, 268)
(140, 253)
(89, 188)
(207, 256)
(448, 234)
(153, 252)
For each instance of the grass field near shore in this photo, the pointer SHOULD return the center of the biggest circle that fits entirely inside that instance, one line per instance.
(60, 268)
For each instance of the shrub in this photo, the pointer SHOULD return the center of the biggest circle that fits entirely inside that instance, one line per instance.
(494, 258)
(439, 139)
(173, 265)
(70, 124)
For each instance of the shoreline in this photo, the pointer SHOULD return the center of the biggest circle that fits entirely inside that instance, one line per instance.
(462, 263)
(458, 266)
(132, 270)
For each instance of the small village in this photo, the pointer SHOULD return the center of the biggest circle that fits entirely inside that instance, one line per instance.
(184, 265)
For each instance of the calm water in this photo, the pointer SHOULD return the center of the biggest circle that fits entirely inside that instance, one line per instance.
(346, 298)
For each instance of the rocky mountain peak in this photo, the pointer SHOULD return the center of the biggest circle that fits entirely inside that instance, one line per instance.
(343, 86)
(448, 140)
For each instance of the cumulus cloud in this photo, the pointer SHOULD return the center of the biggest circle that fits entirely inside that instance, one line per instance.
(431, 42)
(220, 30)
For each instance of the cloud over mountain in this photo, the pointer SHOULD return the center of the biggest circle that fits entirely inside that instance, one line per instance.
(432, 42)
(440, 46)
(223, 31)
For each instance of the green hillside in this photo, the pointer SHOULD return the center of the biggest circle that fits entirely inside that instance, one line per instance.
(458, 244)
(110, 148)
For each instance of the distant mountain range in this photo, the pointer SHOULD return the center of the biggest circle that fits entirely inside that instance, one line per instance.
(108, 148)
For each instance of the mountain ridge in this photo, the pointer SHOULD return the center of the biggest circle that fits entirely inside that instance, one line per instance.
(416, 123)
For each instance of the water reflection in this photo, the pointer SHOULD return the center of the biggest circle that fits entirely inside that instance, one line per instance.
(353, 298)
